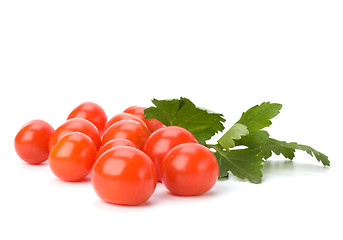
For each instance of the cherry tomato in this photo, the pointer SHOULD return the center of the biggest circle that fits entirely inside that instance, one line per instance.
(189, 169)
(92, 112)
(127, 129)
(124, 116)
(76, 125)
(152, 124)
(136, 110)
(72, 157)
(164, 139)
(124, 175)
(32, 141)
(114, 143)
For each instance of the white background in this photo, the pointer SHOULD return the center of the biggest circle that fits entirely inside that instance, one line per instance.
(225, 56)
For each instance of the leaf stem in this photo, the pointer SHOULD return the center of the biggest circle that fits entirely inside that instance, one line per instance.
(214, 146)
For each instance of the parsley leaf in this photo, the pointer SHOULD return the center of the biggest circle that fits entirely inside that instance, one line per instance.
(202, 123)
(165, 111)
(248, 131)
(287, 149)
(234, 133)
(243, 163)
(254, 140)
(258, 117)
(278, 147)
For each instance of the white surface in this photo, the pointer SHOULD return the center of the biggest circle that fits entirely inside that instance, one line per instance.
(225, 56)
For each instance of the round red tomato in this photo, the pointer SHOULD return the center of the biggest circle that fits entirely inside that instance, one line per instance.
(164, 139)
(135, 110)
(124, 116)
(32, 141)
(189, 169)
(76, 125)
(92, 112)
(124, 175)
(127, 129)
(114, 143)
(152, 124)
(72, 157)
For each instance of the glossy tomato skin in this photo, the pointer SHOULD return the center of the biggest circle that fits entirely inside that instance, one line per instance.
(72, 157)
(127, 129)
(164, 139)
(32, 141)
(135, 110)
(113, 143)
(124, 175)
(91, 112)
(189, 169)
(152, 124)
(124, 116)
(76, 125)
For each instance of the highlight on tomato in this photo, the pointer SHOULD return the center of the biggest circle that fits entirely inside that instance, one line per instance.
(124, 175)
(91, 112)
(114, 143)
(72, 157)
(152, 124)
(135, 110)
(127, 129)
(32, 141)
(76, 125)
(163, 140)
(189, 169)
(124, 116)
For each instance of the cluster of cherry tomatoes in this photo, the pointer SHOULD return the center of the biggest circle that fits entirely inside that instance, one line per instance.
(125, 156)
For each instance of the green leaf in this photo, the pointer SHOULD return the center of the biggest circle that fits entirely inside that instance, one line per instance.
(258, 117)
(254, 140)
(242, 163)
(287, 149)
(202, 123)
(248, 131)
(165, 110)
(278, 147)
(234, 133)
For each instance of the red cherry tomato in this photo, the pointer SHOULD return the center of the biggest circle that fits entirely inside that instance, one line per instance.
(124, 175)
(32, 141)
(164, 139)
(124, 116)
(135, 110)
(76, 125)
(152, 124)
(113, 143)
(189, 169)
(72, 157)
(92, 112)
(127, 129)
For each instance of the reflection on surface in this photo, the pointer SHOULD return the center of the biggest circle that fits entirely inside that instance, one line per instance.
(274, 168)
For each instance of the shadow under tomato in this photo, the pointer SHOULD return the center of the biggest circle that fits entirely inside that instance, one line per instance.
(86, 180)
(108, 206)
(28, 165)
(211, 193)
(161, 196)
(164, 196)
(156, 198)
